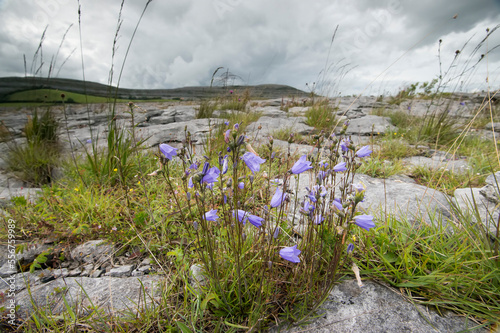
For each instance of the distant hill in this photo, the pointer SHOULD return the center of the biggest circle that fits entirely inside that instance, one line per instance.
(9, 85)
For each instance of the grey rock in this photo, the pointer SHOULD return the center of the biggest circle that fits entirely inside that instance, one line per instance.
(165, 118)
(174, 132)
(184, 112)
(376, 308)
(146, 261)
(63, 272)
(271, 111)
(112, 295)
(10, 181)
(269, 125)
(491, 193)
(8, 269)
(438, 162)
(198, 277)
(491, 190)
(370, 124)
(32, 251)
(298, 110)
(96, 251)
(30, 194)
(277, 102)
(20, 281)
(493, 179)
(492, 126)
(398, 197)
(352, 114)
(488, 135)
(145, 269)
(298, 149)
(403, 199)
(225, 113)
(137, 273)
(87, 270)
(75, 272)
(473, 204)
(121, 271)
(97, 273)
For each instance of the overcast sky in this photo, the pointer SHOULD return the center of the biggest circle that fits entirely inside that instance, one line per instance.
(182, 42)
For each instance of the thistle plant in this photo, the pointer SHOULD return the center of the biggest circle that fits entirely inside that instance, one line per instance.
(241, 213)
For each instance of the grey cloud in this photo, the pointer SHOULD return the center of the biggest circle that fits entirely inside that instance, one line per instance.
(181, 42)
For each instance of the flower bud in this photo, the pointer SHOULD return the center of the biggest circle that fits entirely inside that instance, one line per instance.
(240, 140)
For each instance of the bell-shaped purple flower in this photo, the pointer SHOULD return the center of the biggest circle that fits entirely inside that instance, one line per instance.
(364, 221)
(350, 248)
(241, 185)
(278, 198)
(318, 219)
(340, 167)
(337, 206)
(211, 215)
(364, 151)
(276, 232)
(290, 253)
(211, 175)
(255, 220)
(245, 216)
(168, 151)
(253, 161)
(226, 136)
(321, 175)
(308, 206)
(344, 144)
(301, 165)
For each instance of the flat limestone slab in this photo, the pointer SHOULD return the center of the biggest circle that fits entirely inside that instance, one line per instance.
(375, 308)
(113, 295)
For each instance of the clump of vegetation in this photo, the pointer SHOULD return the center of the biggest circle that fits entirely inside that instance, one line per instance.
(437, 265)
(321, 116)
(287, 133)
(235, 101)
(34, 160)
(206, 109)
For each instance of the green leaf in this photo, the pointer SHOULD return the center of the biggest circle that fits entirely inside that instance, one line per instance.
(390, 257)
(183, 327)
(236, 326)
(209, 297)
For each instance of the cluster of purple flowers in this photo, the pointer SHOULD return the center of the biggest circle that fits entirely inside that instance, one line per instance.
(316, 197)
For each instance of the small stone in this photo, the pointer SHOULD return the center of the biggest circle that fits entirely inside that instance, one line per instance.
(146, 261)
(93, 252)
(63, 272)
(198, 277)
(137, 273)
(121, 271)
(95, 274)
(66, 264)
(145, 269)
(75, 272)
(87, 270)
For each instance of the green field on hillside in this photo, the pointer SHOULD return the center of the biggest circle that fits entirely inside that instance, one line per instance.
(53, 96)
